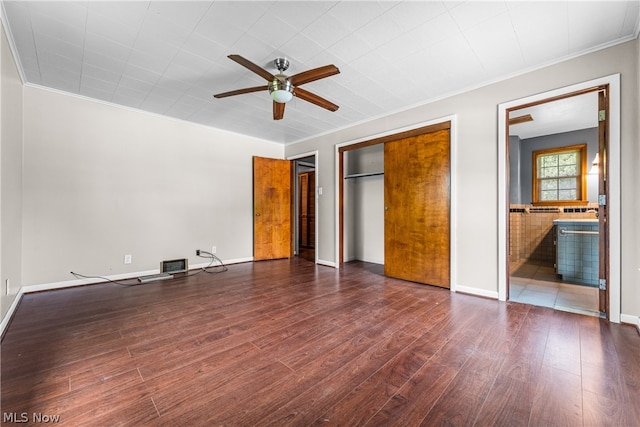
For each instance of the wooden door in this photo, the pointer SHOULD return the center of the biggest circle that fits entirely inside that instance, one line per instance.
(306, 213)
(416, 203)
(603, 209)
(311, 211)
(272, 209)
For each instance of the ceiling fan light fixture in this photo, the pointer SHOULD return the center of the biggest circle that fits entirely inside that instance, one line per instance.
(281, 90)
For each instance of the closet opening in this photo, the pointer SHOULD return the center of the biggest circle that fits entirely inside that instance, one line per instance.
(394, 203)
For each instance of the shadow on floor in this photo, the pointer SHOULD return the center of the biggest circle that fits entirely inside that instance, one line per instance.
(307, 253)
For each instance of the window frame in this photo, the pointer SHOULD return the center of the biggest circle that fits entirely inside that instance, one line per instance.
(581, 180)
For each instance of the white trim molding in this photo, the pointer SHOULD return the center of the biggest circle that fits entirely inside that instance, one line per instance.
(631, 320)
(9, 314)
(326, 263)
(477, 292)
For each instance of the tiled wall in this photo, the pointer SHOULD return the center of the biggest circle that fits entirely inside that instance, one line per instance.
(531, 230)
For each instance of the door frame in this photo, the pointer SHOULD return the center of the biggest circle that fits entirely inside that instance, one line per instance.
(378, 138)
(614, 197)
(316, 156)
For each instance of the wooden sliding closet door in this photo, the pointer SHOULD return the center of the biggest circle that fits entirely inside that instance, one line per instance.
(417, 208)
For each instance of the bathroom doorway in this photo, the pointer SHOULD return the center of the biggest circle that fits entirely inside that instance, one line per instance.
(557, 214)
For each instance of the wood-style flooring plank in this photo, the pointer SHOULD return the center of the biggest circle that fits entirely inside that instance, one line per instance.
(563, 343)
(356, 408)
(558, 398)
(358, 359)
(288, 342)
(508, 403)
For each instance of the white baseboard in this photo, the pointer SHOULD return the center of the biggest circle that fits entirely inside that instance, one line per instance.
(9, 314)
(475, 291)
(85, 281)
(224, 261)
(630, 319)
(372, 260)
(327, 263)
(364, 259)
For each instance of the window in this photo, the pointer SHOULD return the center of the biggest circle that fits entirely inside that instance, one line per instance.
(559, 175)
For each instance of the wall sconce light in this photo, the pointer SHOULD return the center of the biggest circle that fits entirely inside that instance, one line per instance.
(594, 165)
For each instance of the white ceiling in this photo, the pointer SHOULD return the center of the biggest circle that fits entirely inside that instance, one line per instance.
(169, 58)
(563, 115)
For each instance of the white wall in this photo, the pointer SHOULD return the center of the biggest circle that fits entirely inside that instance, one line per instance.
(476, 245)
(10, 177)
(102, 181)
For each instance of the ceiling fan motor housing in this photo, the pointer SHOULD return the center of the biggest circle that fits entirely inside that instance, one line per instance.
(281, 64)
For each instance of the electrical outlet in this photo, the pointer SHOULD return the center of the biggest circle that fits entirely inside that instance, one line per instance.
(127, 259)
(213, 249)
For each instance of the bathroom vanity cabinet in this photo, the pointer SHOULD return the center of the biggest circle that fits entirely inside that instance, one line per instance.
(577, 250)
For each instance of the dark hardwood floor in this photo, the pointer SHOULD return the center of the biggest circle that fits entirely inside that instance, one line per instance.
(287, 342)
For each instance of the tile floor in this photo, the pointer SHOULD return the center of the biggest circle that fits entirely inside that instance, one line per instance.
(536, 284)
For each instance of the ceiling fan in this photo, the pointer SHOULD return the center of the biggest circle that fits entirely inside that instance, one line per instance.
(282, 87)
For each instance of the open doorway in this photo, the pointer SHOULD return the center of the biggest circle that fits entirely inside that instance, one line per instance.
(612, 277)
(558, 237)
(305, 207)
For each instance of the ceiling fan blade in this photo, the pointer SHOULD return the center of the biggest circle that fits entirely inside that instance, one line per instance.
(251, 66)
(315, 74)
(278, 110)
(241, 91)
(315, 99)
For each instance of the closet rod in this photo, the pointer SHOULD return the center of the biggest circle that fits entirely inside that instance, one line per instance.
(361, 175)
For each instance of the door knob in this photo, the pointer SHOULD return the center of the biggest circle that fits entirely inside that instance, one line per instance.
(386, 208)
(257, 213)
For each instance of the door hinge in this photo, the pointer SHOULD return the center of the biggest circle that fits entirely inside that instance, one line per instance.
(602, 199)
(602, 284)
(602, 115)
